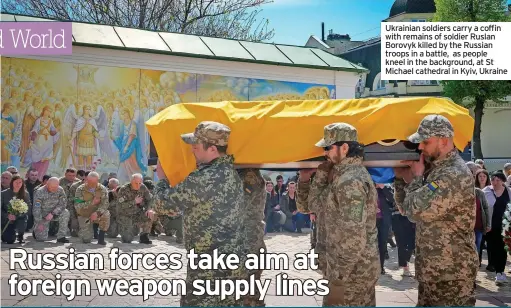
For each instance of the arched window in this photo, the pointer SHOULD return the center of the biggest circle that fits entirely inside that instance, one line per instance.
(379, 84)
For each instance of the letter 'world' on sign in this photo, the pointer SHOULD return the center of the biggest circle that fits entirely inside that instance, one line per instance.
(36, 38)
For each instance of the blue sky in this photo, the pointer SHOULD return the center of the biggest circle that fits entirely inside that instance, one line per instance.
(295, 20)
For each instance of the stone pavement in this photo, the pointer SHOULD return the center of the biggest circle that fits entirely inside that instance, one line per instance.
(392, 289)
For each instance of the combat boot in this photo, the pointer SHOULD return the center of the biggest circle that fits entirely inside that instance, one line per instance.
(144, 239)
(101, 238)
(62, 240)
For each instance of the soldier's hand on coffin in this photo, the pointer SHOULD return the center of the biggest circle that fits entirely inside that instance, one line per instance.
(404, 173)
(305, 174)
(49, 217)
(312, 217)
(326, 166)
(93, 216)
(417, 167)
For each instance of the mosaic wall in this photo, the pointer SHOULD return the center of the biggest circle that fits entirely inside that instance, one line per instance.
(60, 115)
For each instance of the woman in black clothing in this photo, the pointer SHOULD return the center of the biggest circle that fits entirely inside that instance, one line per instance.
(498, 196)
(16, 223)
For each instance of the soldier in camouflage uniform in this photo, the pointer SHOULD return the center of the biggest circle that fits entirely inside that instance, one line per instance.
(134, 202)
(442, 205)
(253, 224)
(49, 204)
(91, 204)
(350, 205)
(211, 200)
(173, 224)
(113, 229)
(68, 179)
(318, 236)
(156, 227)
(73, 220)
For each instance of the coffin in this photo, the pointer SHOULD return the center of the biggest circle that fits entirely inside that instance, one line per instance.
(280, 135)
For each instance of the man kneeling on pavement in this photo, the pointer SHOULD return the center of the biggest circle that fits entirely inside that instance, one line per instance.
(91, 204)
(50, 203)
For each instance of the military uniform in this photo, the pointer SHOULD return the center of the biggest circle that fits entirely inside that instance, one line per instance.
(211, 200)
(66, 184)
(318, 236)
(113, 229)
(253, 224)
(442, 205)
(46, 202)
(84, 205)
(73, 220)
(157, 220)
(131, 215)
(171, 224)
(350, 205)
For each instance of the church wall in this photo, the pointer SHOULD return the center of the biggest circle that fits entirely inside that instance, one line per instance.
(75, 112)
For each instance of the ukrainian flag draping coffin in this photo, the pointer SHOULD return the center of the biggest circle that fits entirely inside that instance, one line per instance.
(282, 134)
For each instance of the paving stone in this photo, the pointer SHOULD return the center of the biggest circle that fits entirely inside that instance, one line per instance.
(489, 301)
(392, 289)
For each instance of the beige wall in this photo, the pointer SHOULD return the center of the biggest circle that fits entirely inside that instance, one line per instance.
(496, 136)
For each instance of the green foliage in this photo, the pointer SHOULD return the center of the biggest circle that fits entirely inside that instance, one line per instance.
(474, 93)
(471, 10)
(466, 92)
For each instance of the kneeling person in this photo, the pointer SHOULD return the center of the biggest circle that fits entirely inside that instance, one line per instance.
(133, 204)
(50, 203)
(91, 204)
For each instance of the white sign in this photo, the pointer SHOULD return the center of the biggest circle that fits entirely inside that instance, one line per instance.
(446, 51)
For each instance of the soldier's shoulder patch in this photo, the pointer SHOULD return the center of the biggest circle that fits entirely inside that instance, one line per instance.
(356, 211)
(432, 186)
(248, 190)
(121, 199)
(37, 203)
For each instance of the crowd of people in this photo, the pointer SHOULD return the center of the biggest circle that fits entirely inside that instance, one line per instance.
(439, 207)
(77, 204)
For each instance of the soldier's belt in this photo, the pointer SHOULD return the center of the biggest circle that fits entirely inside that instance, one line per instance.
(86, 212)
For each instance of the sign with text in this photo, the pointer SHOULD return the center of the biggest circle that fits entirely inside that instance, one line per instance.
(36, 38)
(445, 50)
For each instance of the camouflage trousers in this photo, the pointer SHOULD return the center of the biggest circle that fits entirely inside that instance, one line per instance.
(447, 293)
(86, 233)
(173, 223)
(318, 237)
(63, 220)
(157, 225)
(351, 293)
(73, 220)
(113, 228)
(127, 223)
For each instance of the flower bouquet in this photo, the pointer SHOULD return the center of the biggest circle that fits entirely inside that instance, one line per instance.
(506, 228)
(16, 207)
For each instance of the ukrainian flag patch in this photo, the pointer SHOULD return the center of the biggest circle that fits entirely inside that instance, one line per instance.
(433, 186)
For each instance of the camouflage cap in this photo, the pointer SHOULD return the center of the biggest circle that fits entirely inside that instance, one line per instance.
(433, 125)
(337, 132)
(210, 132)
